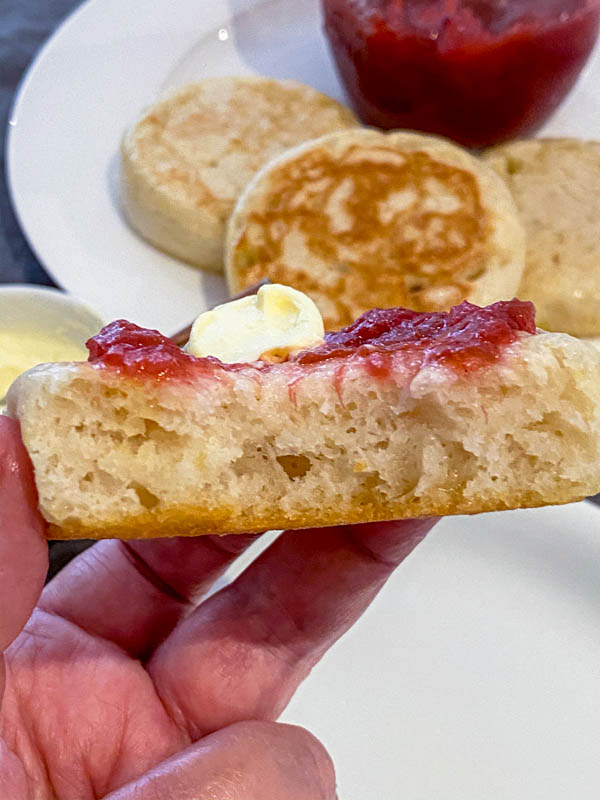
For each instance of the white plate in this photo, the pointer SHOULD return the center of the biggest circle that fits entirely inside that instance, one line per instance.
(476, 674)
(100, 69)
(107, 62)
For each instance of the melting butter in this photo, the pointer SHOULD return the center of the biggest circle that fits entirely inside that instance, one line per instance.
(20, 350)
(269, 325)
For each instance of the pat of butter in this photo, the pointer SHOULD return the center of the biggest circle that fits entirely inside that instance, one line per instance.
(269, 325)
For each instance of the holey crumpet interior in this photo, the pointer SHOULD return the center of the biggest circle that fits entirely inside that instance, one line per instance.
(402, 414)
(362, 219)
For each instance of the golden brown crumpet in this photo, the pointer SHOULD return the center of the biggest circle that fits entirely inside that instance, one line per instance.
(362, 219)
(556, 185)
(188, 158)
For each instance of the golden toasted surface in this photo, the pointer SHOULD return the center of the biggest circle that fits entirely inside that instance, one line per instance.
(362, 219)
(188, 158)
(195, 521)
(556, 185)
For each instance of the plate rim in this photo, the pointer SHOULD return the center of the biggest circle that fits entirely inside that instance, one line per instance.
(17, 99)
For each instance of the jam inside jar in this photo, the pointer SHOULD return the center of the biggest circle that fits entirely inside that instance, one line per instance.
(476, 71)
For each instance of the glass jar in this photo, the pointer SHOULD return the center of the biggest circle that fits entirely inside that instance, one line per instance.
(476, 71)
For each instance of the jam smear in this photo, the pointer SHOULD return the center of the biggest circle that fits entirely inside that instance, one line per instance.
(137, 352)
(465, 338)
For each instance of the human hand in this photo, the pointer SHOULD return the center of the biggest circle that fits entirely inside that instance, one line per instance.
(121, 686)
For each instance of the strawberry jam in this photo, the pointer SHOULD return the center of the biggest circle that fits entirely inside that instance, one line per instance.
(477, 71)
(139, 352)
(465, 338)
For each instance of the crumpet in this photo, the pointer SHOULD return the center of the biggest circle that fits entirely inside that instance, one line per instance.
(185, 162)
(403, 414)
(362, 219)
(556, 186)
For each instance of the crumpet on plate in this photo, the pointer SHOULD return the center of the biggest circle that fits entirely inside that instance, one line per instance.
(362, 219)
(556, 186)
(186, 161)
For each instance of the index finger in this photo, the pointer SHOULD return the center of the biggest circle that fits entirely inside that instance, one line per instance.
(23, 551)
(243, 652)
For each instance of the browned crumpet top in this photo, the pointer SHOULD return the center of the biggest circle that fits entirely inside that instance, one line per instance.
(366, 225)
(383, 210)
(206, 142)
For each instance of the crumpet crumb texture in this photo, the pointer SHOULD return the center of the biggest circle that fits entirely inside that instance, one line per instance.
(290, 446)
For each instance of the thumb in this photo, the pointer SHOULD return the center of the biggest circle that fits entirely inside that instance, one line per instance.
(23, 551)
(245, 761)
